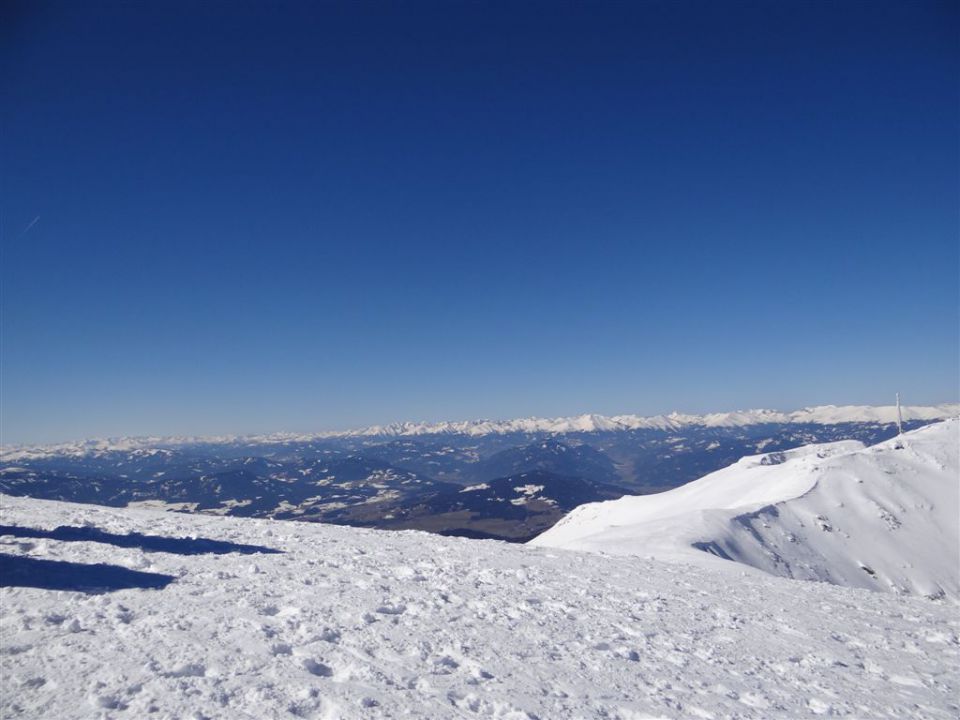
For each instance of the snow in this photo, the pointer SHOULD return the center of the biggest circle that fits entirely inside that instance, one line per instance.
(884, 517)
(351, 623)
(163, 505)
(528, 489)
(822, 415)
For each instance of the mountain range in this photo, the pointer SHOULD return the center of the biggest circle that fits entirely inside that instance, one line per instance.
(588, 423)
(414, 476)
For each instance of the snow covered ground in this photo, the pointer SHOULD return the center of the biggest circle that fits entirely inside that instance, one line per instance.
(884, 517)
(347, 623)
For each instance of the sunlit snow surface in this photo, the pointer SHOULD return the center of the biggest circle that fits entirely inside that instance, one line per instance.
(348, 623)
(884, 517)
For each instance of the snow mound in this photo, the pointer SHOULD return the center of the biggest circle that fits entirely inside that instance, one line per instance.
(883, 517)
(348, 623)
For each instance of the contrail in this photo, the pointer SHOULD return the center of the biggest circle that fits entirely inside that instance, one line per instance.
(32, 223)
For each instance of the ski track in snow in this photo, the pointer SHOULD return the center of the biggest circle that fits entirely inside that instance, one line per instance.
(349, 623)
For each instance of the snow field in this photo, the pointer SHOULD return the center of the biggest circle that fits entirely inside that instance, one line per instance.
(349, 623)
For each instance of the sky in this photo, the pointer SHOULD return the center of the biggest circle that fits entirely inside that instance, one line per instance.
(253, 217)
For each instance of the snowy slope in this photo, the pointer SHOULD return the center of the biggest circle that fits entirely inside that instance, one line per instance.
(884, 517)
(348, 623)
(822, 415)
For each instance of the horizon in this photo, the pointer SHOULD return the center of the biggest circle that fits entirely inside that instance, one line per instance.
(227, 220)
(188, 438)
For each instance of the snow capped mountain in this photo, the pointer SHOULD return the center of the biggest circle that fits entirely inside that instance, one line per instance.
(131, 613)
(823, 415)
(884, 517)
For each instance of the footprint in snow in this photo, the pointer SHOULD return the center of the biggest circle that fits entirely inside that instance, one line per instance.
(187, 670)
(273, 611)
(444, 665)
(479, 676)
(317, 668)
(15, 649)
(330, 636)
(108, 702)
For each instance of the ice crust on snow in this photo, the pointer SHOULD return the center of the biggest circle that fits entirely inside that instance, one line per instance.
(884, 517)
(822, 415)
(350, 623)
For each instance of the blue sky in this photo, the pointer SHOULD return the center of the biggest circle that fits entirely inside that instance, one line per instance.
(302, 216)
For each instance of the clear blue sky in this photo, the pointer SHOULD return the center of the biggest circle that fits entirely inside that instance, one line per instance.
(302, 216)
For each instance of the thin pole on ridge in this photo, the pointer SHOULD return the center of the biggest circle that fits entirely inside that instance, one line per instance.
(899, 417)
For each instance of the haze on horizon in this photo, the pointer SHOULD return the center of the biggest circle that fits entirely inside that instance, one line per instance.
(306, 217)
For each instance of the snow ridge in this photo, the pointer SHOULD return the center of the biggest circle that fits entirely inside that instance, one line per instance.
(883, 517)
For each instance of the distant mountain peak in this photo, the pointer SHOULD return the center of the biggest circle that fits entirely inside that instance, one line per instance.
(587, 423)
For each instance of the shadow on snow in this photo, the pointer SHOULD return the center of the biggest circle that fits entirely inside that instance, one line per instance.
(21, 571)
(148, 543)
